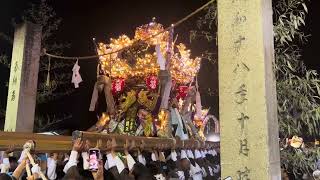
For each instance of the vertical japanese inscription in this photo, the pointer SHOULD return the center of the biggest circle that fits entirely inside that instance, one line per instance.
(14, 81)
(238, 43)
(16, 66)
(247, 93)
(240, 67)
(13, 95)
(243, 174)
(241, 94)
(244, 149)
(242, 120)
(239, 19)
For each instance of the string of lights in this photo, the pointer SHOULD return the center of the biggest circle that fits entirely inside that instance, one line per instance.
(134, 43)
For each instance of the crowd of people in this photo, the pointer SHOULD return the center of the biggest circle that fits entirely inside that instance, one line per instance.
(132, 162)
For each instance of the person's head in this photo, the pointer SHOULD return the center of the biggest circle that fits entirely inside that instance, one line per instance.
(139, 171)
(4, 176)
(13, 163)
(113, 173)
(73, 174)
(171, 165)
(210, 158)
(201, 162)
(153, 168)
(185, 164)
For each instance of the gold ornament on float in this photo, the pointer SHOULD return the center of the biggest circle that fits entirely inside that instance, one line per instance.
(140, 59)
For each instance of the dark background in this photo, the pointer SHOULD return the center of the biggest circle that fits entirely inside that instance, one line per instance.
(83, 20)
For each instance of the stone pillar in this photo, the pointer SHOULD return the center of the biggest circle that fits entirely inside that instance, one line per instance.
(248, 104)
(23, 78)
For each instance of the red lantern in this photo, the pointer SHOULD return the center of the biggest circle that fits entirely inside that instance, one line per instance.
(152, 82)
(182, 92)
(117, 86)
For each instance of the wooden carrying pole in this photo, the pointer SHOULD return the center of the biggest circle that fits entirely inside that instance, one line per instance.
(150, 142)
(44, 143)
(52, 143)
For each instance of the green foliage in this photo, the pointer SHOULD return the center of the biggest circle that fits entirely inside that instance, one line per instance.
(297, 87)
(4, 60)
(205, 30)
(44, 15)
(289, 18)
(59, 84)
(298, 162)
(44, 122)
(6, 38)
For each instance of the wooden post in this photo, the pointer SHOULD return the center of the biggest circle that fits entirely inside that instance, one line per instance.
(248, 105)
(23, 78)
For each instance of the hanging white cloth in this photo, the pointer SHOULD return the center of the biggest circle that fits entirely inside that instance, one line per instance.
(198, 101)
(161, 60)
(76, 77)
(176, 119)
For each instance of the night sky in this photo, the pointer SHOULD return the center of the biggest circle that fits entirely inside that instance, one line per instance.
(103, 20)
(106, 19)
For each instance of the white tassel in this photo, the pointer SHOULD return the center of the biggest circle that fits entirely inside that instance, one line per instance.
(119, 164)
(130, 162)
(141, 159)
(153, 157)
(174, 155)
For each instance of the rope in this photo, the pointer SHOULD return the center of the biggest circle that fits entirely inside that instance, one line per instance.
(166, 29)
(48, 72)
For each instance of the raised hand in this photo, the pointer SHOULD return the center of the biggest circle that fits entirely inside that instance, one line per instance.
(113, 144)
(126, 147)
(55, 156)
(99, 144)
(86, 146)
(99, 174)
(10, 149)
(133, 145)
(78, 145)
(109, 145)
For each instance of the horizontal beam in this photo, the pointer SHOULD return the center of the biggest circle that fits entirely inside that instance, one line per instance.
(44, 143)
(52, 143)
(150, 142)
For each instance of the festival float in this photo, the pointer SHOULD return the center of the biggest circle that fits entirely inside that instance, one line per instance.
(151, 91)
(150, 86)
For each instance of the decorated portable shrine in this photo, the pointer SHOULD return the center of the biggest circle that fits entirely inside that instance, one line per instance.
(150, 86)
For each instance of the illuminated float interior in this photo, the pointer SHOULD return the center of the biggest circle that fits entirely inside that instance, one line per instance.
(154, 90)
